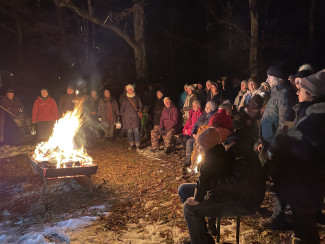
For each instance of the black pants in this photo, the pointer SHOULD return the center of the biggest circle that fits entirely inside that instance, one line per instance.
(44, 130)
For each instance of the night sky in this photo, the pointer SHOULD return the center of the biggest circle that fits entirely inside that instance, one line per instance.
(185, 43)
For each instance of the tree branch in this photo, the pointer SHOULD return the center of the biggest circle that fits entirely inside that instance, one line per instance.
(108, 26)
(9, 29)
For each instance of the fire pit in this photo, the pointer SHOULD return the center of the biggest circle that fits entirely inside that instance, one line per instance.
(48, 170)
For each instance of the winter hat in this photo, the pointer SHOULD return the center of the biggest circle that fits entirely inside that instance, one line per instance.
(129, 86)
(314, 84)
(10, 90)
(305, 67)
(208, 139)
(167, 99)
(221, 119)
(212, 104)
(303, 73)
(279, 71)
(226, 106)
(191, 87)
(70, 87)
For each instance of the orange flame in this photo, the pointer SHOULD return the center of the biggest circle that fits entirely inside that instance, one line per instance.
(61, 146)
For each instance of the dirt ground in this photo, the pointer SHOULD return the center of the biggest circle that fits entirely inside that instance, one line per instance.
(138, 190)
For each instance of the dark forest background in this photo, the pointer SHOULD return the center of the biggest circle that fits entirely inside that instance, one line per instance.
(46, 43)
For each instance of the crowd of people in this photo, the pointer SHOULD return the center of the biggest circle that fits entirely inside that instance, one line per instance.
(238, 134)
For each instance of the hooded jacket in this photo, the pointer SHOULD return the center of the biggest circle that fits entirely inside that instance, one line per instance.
(45, 110)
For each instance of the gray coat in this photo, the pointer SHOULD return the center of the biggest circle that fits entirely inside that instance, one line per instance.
(131, 119)
(278, 110)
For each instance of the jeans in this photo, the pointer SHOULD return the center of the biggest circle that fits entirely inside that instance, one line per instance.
(195, 214)
(134, 135)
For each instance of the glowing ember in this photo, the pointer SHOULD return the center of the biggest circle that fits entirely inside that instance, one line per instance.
(60, 147)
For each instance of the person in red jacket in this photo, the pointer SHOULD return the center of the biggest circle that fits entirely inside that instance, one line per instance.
(44, 114)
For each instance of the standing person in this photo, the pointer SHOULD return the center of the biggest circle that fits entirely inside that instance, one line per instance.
(243, 90)
(12, 118)
(44, 114)
(230, 182)
(167, 124)
(188, 105)
(208, 91)
(67, 101)
(131, 111)
(297, 161)
(217, 97)
(109, 113)
(93, 102)
(157, 109)
(278, 110)
(182, 97)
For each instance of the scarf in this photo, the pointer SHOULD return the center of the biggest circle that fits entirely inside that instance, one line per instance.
(130, 96)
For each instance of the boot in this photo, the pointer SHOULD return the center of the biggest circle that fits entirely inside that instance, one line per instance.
(131, 146)
(137, 144)
(188, 161)
(166, 150)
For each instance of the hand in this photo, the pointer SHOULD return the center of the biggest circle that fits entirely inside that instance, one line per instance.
(191, 201)
(99, 119)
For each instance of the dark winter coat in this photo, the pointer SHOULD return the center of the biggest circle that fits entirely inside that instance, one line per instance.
(232, 172)
(131, 119)
(14, 105)
(103, 109)
(45, 110)
(92, 106)
(218, 99)
(157, 110)
(278, 110)
(298, 156)
(66, 103)
(201, 96)
(202, 120)
(169, 118)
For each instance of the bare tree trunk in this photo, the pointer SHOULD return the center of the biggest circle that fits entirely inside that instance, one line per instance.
(140, 51)
(254, 37)
(311, 25)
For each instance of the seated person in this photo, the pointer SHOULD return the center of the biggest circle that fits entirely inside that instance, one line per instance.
(231, 180)
(209, 111)
(195, 113)
(167, 126)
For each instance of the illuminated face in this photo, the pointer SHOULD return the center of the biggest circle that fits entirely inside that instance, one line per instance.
(196, 107)
(208, 85)
(243, 87)
(297, 82)
(69, 91)
(107, 93)
(214, 89)
(252, 85)
(168, 103)
(189, 91)
(208, 108)
(159, 94)
(93, 93)
(273, 81)
(130, 91)
(10, 95)
(44, 93)
(304, 95)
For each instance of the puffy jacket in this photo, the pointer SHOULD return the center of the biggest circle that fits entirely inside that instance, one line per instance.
(194, 115)
(45, 110)
(202, 120)
(278, 110)
(169, 118)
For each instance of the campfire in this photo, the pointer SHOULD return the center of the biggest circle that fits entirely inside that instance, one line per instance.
(60, 148)
(60, 156)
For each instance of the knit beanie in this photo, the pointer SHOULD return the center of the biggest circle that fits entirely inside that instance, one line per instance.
(129, 86)
(167, 99)
(314, 84)
(221, 119)
(208, 139)
(303, 73)
(279, 71)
